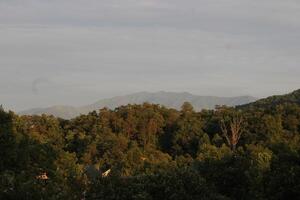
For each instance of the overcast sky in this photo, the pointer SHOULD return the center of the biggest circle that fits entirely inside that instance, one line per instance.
(78, 51)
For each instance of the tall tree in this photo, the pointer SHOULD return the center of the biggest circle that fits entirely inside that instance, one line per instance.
(232, 128)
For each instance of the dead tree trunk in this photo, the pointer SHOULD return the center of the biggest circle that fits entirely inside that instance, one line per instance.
(233, 132)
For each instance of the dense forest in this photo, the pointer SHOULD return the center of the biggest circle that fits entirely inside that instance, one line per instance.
(151, 152)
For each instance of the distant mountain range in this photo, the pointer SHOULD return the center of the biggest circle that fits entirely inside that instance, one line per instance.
(168, 99)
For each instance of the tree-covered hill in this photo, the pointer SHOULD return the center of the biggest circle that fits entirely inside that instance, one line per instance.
(273, 101)
(148, 151)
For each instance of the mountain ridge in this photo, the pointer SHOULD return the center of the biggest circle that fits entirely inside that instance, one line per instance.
(168, 99)
(273, 101)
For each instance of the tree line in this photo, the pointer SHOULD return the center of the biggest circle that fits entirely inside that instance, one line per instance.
(149, 151)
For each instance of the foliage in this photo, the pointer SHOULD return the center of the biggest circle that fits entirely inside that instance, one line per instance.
(152, 152)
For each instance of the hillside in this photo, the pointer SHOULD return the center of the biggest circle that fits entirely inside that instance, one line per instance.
(168, 99)
(273, 101)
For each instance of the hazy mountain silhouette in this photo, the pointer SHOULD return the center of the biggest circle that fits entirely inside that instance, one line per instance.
(168, 99)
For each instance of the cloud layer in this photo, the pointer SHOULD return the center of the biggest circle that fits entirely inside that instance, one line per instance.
(75, 52)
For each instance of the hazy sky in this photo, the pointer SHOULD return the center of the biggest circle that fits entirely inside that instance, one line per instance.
(77, 51)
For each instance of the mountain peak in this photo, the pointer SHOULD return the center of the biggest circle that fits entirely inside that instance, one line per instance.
(168, 99)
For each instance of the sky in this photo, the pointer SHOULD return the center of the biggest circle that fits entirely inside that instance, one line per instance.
(75, 52)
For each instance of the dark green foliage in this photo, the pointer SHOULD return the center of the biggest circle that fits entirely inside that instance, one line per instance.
(151, 152)
(169, 185)
(283, 179)
(273, 101)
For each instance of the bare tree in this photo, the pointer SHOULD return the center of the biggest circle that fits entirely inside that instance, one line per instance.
(233, 132)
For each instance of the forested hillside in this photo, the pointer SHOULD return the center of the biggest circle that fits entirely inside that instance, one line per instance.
(152, 152)
(273, 101)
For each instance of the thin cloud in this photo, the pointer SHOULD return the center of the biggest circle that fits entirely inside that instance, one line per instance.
(110, 47)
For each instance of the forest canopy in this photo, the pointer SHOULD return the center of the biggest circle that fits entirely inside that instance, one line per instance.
(152, 152)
